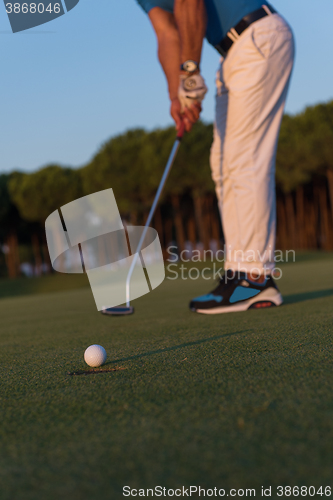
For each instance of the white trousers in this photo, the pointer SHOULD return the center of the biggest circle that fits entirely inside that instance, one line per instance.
(252, 84)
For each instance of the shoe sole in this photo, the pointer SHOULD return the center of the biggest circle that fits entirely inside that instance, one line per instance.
(267, 298)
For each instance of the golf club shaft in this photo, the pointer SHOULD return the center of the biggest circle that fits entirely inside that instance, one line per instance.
(152, 211)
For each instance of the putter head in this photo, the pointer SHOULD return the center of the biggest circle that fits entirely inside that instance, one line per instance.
(118, 311)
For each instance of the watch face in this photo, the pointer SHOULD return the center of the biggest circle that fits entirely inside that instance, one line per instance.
(190, 66)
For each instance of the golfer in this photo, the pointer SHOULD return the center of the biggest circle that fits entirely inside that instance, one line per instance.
(257, 53)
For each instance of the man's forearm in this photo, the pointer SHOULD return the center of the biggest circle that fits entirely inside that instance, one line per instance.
(191, 20)
(169, 57)
(169, 53)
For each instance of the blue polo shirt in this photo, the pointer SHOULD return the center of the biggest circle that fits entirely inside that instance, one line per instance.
(222, 14)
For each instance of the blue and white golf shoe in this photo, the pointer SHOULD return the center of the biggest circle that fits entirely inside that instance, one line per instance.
(238, 292)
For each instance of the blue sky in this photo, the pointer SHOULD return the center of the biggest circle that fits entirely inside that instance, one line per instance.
(71, 84)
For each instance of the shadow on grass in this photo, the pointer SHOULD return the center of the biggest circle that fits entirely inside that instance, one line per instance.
(174, 348)
(301, 297)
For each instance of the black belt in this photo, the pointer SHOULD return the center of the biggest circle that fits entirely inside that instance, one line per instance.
(231, 36)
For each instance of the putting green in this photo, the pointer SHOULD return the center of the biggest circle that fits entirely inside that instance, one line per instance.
(241, 400)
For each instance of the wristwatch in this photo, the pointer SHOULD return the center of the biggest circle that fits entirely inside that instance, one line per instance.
(189, 66)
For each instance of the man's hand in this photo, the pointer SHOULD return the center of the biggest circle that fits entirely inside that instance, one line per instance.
(192, 88)
(186, 107)
(187, 117)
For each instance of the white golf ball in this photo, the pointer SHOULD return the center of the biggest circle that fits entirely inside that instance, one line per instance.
(95, 355)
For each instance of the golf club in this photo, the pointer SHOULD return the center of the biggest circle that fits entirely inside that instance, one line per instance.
(128, 309)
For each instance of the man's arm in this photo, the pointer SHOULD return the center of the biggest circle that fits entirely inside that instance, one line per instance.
(191, 20)
(168, 46)
(173, 41)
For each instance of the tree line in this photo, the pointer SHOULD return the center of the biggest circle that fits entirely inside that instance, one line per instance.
(132, 164)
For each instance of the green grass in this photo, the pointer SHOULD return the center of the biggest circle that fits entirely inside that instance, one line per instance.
(44, 284)
(233, 401)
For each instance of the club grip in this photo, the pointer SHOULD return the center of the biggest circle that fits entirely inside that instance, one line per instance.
(181, 131)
